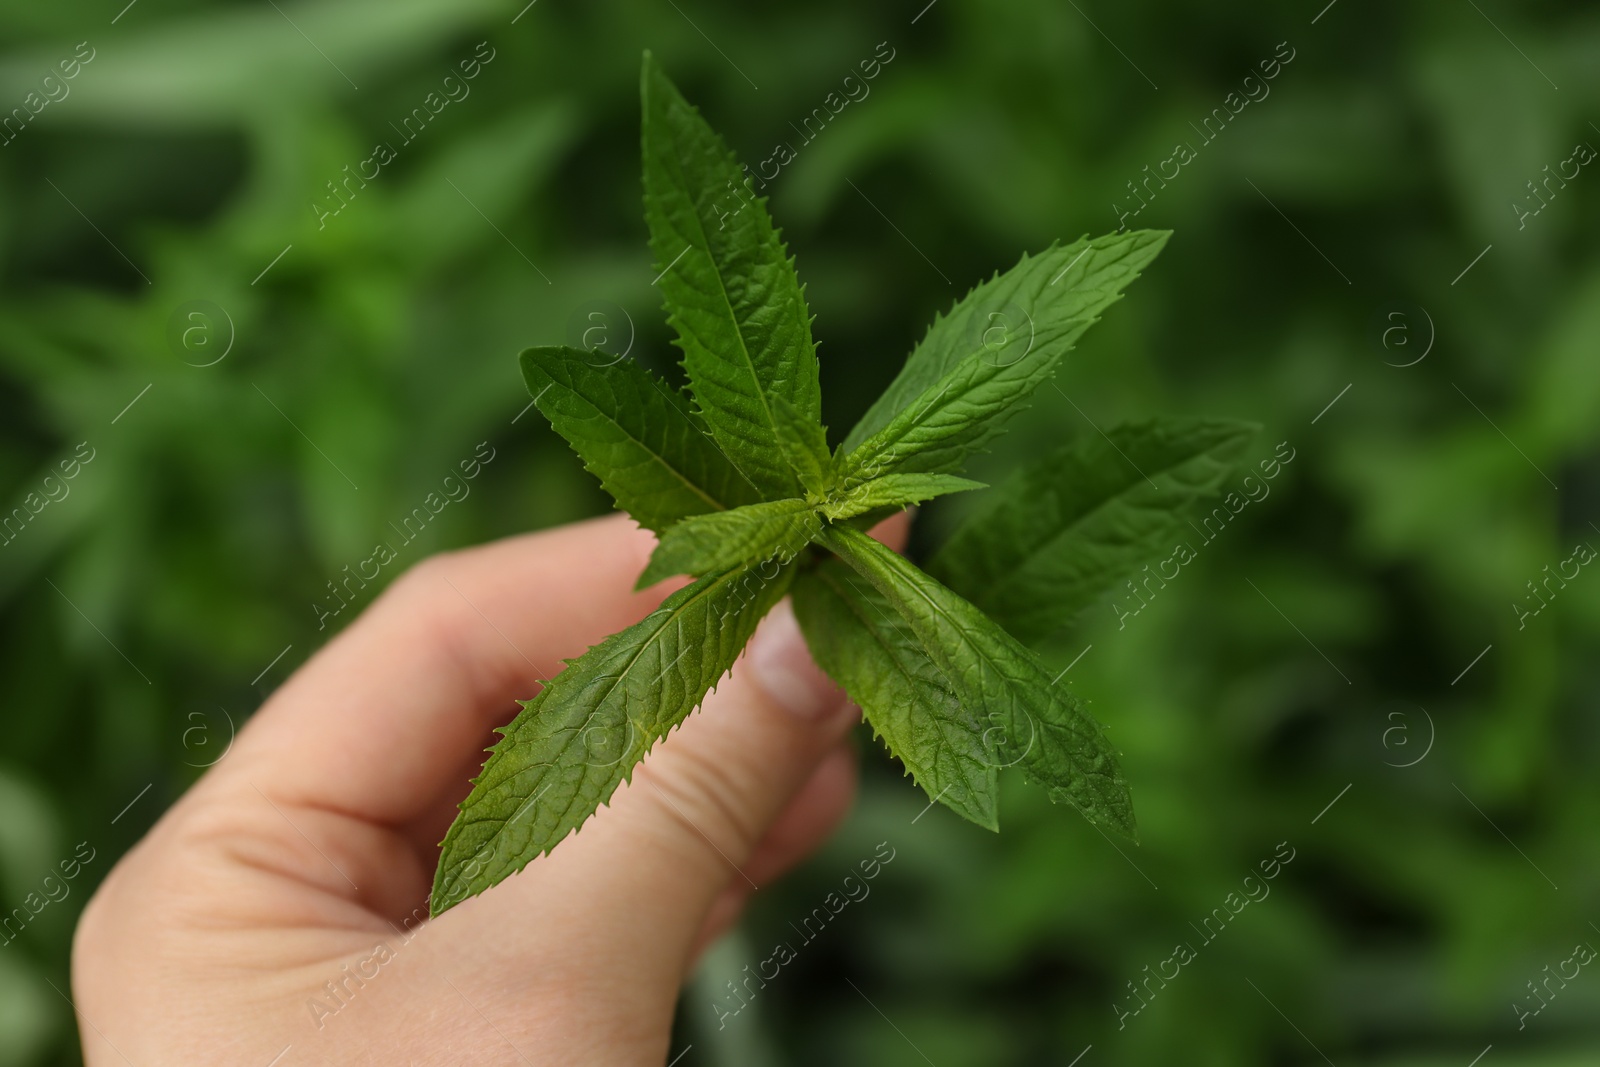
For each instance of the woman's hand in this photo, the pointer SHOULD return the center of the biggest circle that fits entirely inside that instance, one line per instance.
(279, 908)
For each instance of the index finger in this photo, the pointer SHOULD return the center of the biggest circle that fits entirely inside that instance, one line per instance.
(381, 723)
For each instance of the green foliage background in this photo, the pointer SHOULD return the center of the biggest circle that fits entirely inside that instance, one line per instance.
(1387, 156)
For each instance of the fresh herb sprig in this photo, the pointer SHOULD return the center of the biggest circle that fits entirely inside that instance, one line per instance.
(737, 479)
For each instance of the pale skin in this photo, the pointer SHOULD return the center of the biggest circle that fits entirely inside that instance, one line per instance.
(314, 840)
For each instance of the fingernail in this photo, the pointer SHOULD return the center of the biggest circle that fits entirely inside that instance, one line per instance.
(782, 665)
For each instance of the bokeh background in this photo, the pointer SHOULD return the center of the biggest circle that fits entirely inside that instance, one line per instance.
(1353, 639)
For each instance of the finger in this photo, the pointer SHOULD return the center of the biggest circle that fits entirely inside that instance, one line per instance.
(811, 815)
(394, 712)
(808, 820)
(632, 889)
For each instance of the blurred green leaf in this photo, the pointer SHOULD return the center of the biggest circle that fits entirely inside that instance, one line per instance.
(1063, 529)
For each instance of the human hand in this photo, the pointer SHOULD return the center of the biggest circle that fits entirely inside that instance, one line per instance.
(279, 907)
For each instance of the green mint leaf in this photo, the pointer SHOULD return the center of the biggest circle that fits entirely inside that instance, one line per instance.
(635, 434)
(1045, 728)
(573, 744)
(955, 417)
(805, 446)
(894, 491)
(1057, 534)
(1044, 302)
(859, 638)
(723, 539)
(730, 289)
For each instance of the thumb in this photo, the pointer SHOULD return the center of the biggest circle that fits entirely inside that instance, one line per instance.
(713, 790)
(630, 892)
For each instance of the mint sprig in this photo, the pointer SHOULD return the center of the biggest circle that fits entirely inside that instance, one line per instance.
(737, 479)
